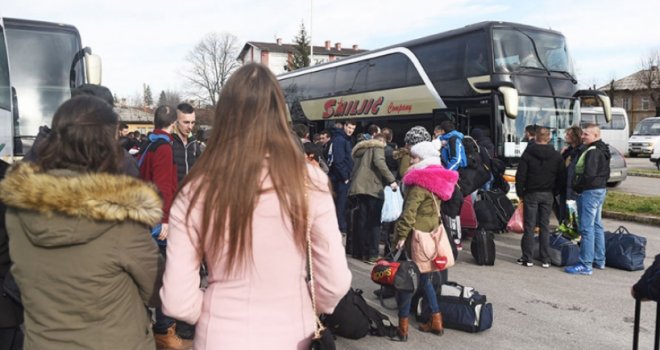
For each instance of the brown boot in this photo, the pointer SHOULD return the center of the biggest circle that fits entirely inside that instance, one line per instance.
(171, 341)
(434, 325)
(402, 330)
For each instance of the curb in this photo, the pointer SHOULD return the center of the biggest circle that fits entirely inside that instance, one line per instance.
(642, 219)
(641, 174)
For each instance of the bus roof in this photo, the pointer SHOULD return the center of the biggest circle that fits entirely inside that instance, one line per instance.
(18, 23)
(486, 25)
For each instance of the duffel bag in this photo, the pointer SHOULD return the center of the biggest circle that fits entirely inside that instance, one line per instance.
(462, 308)
(353, 318)
(624, 250)
(563, 252)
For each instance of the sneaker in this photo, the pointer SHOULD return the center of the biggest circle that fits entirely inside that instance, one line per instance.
(524, 262)
(598, 266)
(578, 269)
(545, 265)
(459, 246)
(372, 260)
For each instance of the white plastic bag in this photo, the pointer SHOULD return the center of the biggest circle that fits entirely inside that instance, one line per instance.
(392, 206)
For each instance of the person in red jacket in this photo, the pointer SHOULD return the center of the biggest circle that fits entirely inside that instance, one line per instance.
(157, 165)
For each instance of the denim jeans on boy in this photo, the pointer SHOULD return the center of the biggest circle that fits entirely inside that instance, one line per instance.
(592, 243)
(341, 203)
(403, 299)
(162, 322)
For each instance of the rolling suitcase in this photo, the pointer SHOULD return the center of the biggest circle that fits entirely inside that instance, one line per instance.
(656, 345)
(483, 247)
(468, 217)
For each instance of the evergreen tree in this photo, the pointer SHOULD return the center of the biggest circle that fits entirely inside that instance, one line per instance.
(162, 99)
(301, 50)
(147, 98)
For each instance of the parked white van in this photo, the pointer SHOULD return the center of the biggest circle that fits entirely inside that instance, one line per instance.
(645, 138)
(616, 132)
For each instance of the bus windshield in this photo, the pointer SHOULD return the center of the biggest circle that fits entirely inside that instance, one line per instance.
(648, 127)
(518, 49)
(5, 91)
(41, 61)
(553, 113)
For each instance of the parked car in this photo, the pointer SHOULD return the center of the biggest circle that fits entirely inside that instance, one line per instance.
(646, 137)
(618, 168)
(655, 157)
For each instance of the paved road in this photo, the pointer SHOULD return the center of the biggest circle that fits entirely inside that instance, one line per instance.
(640, 162)
(645, 186)
(534, 308)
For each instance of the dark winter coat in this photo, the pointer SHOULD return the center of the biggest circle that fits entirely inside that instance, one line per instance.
(370, 173)
(83, 257)
(648, 286)
(593, 167)
(339, 156)
(541, 169)
(571, 155)
(184, 155)
(11, 313)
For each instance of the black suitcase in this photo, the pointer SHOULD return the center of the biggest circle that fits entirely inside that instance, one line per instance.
(483, 247)
(656, 345)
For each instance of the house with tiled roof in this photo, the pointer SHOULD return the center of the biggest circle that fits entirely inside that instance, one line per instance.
(633, 95)
(278, 54)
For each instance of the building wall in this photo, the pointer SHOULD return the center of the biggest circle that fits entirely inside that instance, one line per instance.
(634, 107)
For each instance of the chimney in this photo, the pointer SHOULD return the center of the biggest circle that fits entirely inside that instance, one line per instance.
(338, 46)
(279, 41)
(355, 46)
(327, 44)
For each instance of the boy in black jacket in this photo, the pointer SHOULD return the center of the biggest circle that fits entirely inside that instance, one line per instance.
(540, 175)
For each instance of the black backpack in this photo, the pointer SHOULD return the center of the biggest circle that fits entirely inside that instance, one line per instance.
(472, 152)
(353, 318)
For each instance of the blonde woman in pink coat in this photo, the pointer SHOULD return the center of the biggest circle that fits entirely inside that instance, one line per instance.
(243, 209)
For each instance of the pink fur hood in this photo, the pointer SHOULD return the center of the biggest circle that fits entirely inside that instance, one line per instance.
(434, 178)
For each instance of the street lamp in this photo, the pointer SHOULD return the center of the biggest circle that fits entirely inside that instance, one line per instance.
(311, 42)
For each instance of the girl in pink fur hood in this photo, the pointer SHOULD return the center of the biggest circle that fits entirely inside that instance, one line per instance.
(427, 185)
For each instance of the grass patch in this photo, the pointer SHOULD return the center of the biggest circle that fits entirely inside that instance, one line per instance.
(632, 204)
(633, 171)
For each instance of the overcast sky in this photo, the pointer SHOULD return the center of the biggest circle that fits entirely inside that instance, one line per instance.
(146, 41)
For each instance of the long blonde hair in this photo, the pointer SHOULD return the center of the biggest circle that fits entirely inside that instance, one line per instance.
(250, 129)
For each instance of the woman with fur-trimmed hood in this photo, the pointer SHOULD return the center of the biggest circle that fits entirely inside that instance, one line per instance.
(370, 175)
(427, 184)
(79, 239)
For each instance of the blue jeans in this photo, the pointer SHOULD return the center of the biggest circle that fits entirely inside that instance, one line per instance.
(592, 243)
(341, 201)
(162, 322)
(403, 299)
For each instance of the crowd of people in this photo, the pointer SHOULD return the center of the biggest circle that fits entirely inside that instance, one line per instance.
(162, 241)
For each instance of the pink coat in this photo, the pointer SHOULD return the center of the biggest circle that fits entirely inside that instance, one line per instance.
(268, 306)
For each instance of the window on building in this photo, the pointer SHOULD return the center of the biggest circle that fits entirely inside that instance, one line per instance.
(626, 103)
(645, 103)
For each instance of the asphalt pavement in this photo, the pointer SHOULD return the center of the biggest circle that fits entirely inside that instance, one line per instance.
(534, 308)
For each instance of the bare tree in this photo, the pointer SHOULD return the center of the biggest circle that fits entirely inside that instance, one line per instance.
(649, 77)
(212, 61)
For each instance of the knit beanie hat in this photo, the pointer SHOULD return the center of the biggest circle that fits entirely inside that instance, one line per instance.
(416, 135)
(424, 150)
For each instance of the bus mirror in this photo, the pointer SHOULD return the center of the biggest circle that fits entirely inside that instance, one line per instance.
(508, 91)
(93, 69)
(607, 106)
(601, 97)
(510, 101)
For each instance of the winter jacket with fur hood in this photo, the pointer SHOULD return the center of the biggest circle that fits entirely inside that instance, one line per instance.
(83, 257)
(421, 205)
(370, 171)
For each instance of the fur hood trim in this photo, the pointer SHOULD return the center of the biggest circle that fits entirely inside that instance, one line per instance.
(364, 145)
(100, 197)
(433, 178)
